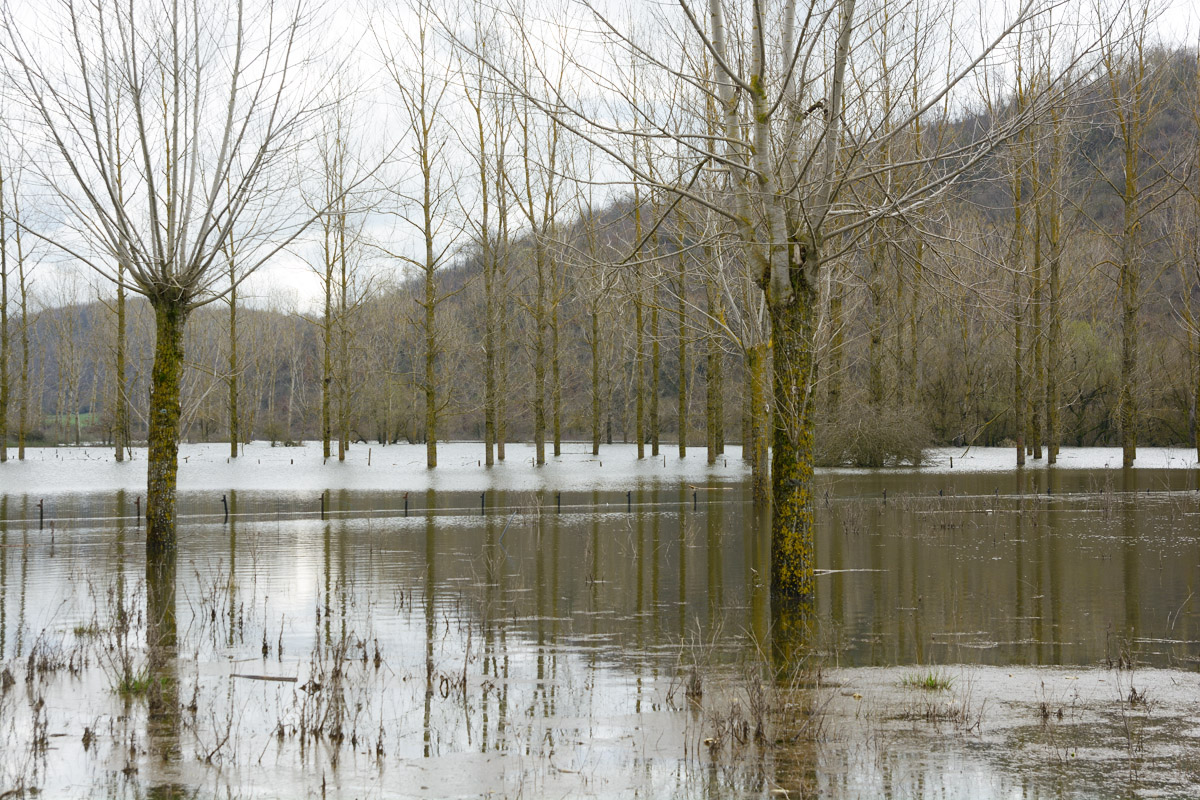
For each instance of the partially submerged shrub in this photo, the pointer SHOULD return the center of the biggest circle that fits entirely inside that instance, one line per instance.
(872, 436)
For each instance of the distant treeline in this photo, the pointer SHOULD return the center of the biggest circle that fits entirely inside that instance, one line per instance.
(943, 326)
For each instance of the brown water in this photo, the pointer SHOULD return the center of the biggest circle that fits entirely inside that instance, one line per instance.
(609, 642)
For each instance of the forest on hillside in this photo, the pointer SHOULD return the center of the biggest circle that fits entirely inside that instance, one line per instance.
(1046, 292)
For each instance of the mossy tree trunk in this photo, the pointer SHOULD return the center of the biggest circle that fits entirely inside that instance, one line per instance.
(170, 316)
(793, 549)
(758, 447)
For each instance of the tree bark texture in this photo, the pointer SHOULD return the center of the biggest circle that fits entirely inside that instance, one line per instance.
(170, 316)
(595, 381)
(681, 317)
(233, 371)
(120, 381)
(793, 552)
(655, 370)
(758, 446)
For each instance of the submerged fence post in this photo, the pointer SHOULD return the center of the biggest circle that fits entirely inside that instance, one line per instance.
(406, 504)
(225, 503)
(558, 496)
(629, 501)
(41, 514)
(322, 505)
(137, 503)
(481, 503)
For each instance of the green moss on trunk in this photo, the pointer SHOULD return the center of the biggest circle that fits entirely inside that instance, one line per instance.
(759, 445)
(793, 551)
(163, 438)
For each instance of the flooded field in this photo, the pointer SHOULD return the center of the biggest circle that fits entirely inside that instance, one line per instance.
(597, 627)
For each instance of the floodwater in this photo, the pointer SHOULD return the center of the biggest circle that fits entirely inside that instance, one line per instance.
(599, 627)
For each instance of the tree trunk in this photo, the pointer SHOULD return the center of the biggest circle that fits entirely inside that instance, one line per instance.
(502, 388)
(1019, 404)
(1039, 369)
(170, 316)
(639, 380)
(655, 370)
(555, 374)
(837, 344)
(23, 410)
(539, 358)
(1052, 345)
(595, 381)
(122, 388)
(875, 325)
(1127, 402)
(758, 445)
(501, 292)
(712, 379)
(489, 344)
(233, 370)
(914, 320)
(681, 317)
(1018, 299)
(327, 361)
(430, 304)
(1053, 310)
(1196, 396)
(4, 387)
(793, 552)
(343, 368)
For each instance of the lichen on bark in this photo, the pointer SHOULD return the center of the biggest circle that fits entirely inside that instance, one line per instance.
(170, 316)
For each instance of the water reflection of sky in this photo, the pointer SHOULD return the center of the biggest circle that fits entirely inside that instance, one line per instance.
(207, 467)
(578, 628)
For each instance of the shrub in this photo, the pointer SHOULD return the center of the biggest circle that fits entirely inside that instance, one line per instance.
(867, 436)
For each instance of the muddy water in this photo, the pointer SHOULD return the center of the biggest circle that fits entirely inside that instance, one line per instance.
(603, 634)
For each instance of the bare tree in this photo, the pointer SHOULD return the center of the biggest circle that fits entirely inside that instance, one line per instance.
(201, 105)
(4, 338)
(486, 144)
(1131, 81)
(421, 84)
(794, 156)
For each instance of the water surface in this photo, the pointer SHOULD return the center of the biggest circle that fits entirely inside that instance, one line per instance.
(599, 627)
